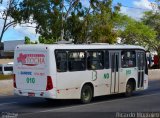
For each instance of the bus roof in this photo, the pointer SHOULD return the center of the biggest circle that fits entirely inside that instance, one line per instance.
(75, 46)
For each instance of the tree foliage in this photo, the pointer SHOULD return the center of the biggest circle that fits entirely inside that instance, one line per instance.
(135, 32)
(102, 22)
(97, 24)
(43, 40)
(53, 17)
(49, 15)
(28, 40)
(152, 19)
(145, 32)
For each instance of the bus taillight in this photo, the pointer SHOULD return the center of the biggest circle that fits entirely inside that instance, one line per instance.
(49, 83)
(14, 81)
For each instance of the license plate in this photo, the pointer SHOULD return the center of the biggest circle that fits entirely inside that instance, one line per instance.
(31, 94)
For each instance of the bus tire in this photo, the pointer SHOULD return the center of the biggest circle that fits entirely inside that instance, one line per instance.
(129, 89)
(86, 94)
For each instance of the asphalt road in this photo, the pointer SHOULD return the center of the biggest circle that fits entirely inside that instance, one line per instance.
(101, 107)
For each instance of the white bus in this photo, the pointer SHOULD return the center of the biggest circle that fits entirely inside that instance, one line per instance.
(67, 71)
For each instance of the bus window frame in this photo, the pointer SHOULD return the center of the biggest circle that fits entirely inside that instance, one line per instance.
(135, 59)
(103, 54)
(104, 57)
(61, 51)
(68, 61)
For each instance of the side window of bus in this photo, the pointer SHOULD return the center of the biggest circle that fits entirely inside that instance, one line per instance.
(76, 61)
(128, 59)
(61, 61)
(95, 60)
(9, 68)
(106, 60)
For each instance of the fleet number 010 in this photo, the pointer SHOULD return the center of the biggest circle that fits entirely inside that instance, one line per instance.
(30, 80)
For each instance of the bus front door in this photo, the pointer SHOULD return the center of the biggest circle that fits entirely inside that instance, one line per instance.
(141, 68)
(114, 57)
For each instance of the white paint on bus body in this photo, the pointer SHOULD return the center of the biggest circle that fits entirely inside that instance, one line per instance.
(34, 63)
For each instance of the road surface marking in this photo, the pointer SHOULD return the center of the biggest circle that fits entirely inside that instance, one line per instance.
(52, 110)
(99, 102)
(8, 103)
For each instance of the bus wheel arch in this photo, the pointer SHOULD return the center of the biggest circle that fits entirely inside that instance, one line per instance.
(87, 93)
(130, 87)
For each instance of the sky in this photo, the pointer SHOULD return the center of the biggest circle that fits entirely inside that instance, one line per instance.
(132, 8)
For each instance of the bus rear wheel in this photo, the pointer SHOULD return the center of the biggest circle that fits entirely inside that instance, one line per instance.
(86, 94)
(129, 89)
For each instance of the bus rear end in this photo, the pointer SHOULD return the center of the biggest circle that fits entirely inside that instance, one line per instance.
(31, 72)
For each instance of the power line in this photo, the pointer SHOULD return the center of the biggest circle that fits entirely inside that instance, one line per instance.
(134, 7)
(114, 6)
(131, 7)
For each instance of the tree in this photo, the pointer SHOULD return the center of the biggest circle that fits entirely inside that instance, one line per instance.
(49, 15)
(7, 16)
(55, 18)
(45, 41)
(152, 19)
(27, 40)
(103, 27)
(97, 24)
(74, 28)
(137, 33)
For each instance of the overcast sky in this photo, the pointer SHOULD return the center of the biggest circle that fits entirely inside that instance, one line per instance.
(133, 8)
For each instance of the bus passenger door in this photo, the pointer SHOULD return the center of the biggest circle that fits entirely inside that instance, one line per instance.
(141, 68)
(114, 57)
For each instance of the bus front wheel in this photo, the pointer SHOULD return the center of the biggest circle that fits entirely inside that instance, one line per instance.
(129, 89)
(86, 94)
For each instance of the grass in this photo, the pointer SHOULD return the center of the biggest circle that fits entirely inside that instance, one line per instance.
(5, 77)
